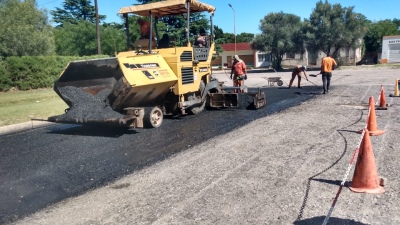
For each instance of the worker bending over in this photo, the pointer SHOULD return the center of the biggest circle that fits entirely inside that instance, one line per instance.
(297, 72)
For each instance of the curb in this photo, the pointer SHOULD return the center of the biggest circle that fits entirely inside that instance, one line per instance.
(23, 126)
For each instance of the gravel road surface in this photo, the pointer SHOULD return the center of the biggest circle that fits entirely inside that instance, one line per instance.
(283, 166)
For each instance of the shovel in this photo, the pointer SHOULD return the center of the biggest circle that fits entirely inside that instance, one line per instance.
(314, 75)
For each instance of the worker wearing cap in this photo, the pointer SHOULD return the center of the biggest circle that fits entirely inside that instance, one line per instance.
(238, 72)
(297, 71)
(201, 39)
(327, 65)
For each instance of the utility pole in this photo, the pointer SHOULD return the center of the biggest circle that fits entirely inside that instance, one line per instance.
(234, 24)
(97, 28)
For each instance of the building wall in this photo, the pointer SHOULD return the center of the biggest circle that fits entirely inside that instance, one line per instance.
(294, 60)
(256, 59)
(312, 58)
(251, 58)
(390, 49)
(262, 59)
(217, 62)
(350, 56)
(347, 56)
(225, 58)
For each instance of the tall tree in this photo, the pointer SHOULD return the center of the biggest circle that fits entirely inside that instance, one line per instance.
(376, 31)
(176, 25)
(281, 33)
(218, 32)
(244, 37)
(226, 38)
(80, 39)
(24, 29)
(332, 27)
(75, 11)
(113, 39)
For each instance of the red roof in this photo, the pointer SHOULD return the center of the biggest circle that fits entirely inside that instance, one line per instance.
(239, 46)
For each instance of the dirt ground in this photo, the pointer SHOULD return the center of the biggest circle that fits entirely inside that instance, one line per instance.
(284, 168)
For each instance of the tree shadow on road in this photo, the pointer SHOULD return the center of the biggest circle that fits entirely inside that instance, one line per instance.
(333, 220)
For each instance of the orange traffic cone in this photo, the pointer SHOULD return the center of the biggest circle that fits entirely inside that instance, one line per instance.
(396, 90)
(371, 126)
(382, 101)
(365, 178)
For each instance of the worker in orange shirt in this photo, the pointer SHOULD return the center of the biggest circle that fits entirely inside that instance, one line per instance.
(238, 72)
(327, 65)
(145, 31)
(297, 71)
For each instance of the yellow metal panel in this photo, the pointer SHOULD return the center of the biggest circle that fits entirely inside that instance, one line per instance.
(202, 69)
(146, 70)
(149, 76)
(169, 54)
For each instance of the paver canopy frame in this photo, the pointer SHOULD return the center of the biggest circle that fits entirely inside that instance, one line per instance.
(167, 8)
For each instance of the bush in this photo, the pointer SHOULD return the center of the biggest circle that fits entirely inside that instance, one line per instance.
(5, 80)
(33, 72)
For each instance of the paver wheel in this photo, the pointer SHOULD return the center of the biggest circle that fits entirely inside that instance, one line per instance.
(153, 117)
(198, 108)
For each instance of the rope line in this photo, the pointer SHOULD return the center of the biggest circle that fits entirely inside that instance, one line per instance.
(352, 160)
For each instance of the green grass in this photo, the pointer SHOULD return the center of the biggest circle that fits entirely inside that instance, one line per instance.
(22, 106)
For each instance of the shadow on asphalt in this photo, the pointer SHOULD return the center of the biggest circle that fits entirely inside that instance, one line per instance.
(99, 131)
(333, 220)
(350, 131)
(334, 182)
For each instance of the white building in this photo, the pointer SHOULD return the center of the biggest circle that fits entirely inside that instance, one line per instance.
(390, 49)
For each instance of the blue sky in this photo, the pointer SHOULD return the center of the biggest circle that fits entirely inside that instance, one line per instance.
(250, 12)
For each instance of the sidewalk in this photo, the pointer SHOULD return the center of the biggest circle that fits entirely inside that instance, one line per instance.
(22, 126)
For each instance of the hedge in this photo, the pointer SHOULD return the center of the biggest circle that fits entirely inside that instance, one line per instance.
(33, 72)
